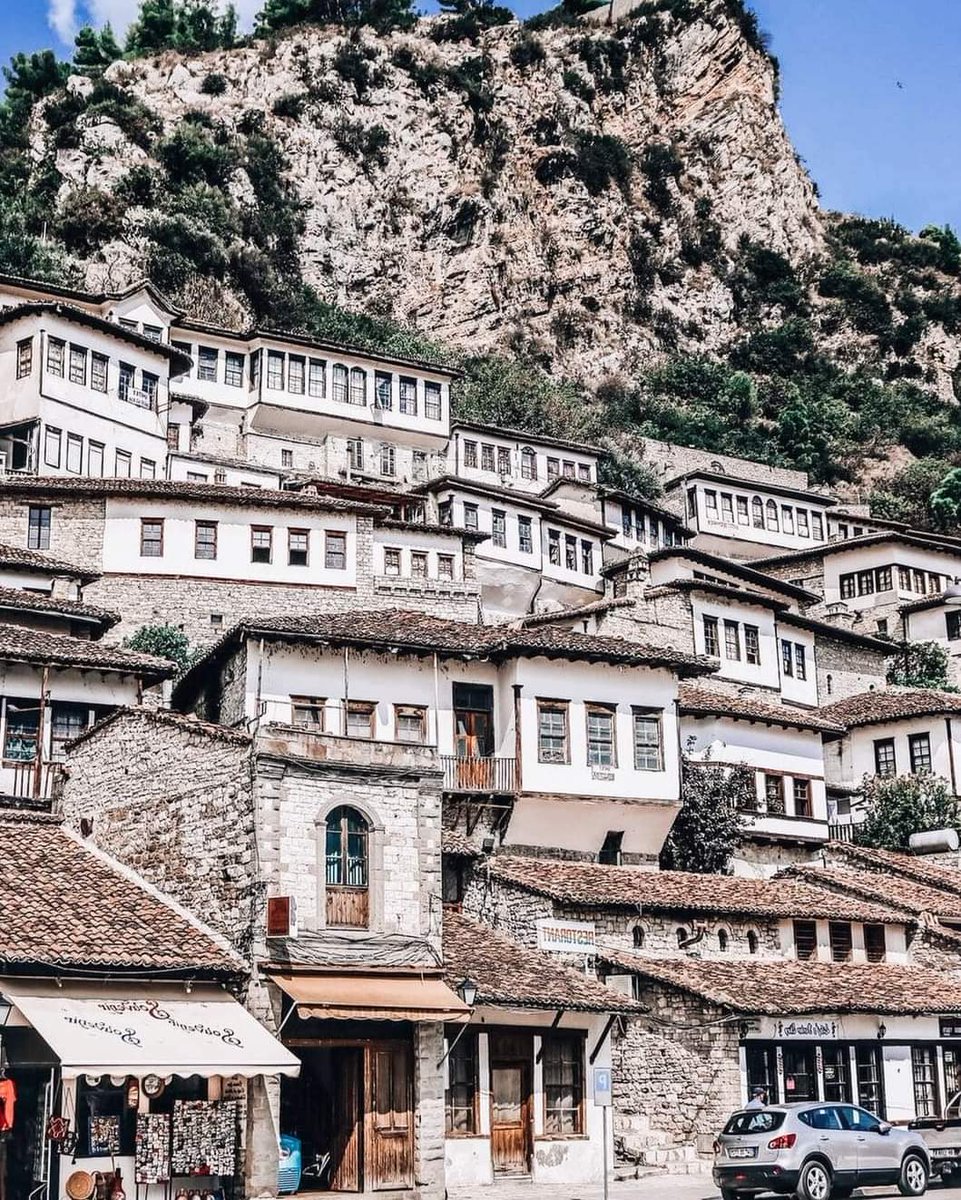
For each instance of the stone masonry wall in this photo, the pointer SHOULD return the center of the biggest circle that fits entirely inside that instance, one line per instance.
(76, 528)
(852, 669)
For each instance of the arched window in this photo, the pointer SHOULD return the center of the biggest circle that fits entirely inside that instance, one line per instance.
(681, 935)
(638, 937)
(722, 940)
(751, 941)
(757, 512)
(347, 868)
(338, 383)
(358, 386)
(771, 515)
(528, 463)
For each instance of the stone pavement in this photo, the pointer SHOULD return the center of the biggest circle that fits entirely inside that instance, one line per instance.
(651, 1187)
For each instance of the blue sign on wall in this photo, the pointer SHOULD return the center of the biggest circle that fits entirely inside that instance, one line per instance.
(602, 1086)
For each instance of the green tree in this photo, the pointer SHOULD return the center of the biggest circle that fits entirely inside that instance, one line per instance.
(946, 500)
(165, 641)
(921, 665)
(153, 29)
(711, 823)
(906, 496)
(95, 50)
(631, 475)
(900, 805)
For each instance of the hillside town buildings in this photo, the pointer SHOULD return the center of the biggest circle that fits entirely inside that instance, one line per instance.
(401, 811)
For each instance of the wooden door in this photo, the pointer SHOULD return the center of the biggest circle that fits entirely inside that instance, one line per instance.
(473, 734)
(389, 1148)
(511, 1116)
(346, 1167)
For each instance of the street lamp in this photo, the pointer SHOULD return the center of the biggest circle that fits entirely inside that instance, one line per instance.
(5, 1010)
(882, 1030)
(467, 990)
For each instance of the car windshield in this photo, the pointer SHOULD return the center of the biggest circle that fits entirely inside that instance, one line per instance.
(755, 1120)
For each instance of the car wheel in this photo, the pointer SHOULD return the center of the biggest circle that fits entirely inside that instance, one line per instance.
(814, 1182)
(914, 1176)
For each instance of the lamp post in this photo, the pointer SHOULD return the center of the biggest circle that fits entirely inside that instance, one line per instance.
(467, 990)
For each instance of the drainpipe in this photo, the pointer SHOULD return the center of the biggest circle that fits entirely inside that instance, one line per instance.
(517, 688)
(436, 704)
(343, 719)
(954, 778)
(38, 757)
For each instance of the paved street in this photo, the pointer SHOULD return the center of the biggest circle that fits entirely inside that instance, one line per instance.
(653, 1187)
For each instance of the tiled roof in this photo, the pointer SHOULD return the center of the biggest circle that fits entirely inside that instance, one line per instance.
(580, 610)
(696, 700)
(790, 988)
(599, 886)
(932, 601)
(64, 904)
(827, 629)
(533, 501)
(525, 435)
(910, 895)
(728, 591)
(809, 495)
(517, 977)
(20, 599)
(891, 704)
(179, 361)
(911, 866)
(32, 560)
(729, 567)
(221, 460)
(456, 843)
(915, 538)
(163, 716)
(19, 644)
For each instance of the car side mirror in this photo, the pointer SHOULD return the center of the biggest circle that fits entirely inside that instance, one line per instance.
(884, 1129)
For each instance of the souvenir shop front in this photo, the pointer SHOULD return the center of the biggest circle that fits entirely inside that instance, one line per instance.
(123, 1091)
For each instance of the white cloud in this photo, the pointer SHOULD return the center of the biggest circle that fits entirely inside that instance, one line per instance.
(62, 19)
(121, 13)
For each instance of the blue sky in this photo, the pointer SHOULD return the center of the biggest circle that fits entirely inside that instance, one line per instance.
(872, 147)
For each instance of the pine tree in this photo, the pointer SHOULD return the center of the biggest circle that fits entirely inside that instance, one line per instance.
(153, 29)
(94, 51)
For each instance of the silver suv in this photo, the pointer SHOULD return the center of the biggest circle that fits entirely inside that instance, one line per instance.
(818, 1151)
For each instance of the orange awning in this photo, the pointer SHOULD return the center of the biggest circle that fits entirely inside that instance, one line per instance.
(372, 998)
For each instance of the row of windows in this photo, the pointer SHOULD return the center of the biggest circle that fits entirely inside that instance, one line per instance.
(302, 375)
(571, 561)
(881, 579)
(87, 368)
(359, 718)
(682, 934)
(732, 641)
(553, 735)
(22, 726)
(919, 755)
(499, 460)
(775, 796)
(639, 526)
(729, 509)
(261, 543)
(419, 564)
(383, 459)
(794, 659)
(840, 940)
(68, 450)
(837, 1072)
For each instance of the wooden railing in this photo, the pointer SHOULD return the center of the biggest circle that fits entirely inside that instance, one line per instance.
(33, 783)
(485, 774)
(842, 831)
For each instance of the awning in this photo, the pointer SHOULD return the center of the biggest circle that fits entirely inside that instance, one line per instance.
(373, 997)
(143, 1030)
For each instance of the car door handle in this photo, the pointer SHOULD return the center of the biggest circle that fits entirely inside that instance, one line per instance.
(824, 1138)
(862, 1139)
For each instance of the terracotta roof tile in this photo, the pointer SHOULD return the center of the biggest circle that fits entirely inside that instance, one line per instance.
(20, 599)
(188, 723)
(696, 700)
(33, 560)
(20, 644)
(927, 541)
(64, 904)
(516, 976)
(456, 843)
(910, 895)
(910, 866)
(789, 988)
(891, 704)
(750, 574)
(580, 610)
(599, 886)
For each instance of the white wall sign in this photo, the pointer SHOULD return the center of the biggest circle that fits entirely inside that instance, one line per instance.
(805, 1029)
(566, 937)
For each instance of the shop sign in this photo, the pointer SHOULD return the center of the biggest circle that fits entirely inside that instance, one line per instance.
(566, 937)
(950, 1027)
(805, 1029)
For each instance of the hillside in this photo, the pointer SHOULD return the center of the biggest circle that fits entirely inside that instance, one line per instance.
(594, 204)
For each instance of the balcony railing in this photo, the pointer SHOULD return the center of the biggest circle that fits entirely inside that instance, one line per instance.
(27, 782)
(842, 831)
(485, 774)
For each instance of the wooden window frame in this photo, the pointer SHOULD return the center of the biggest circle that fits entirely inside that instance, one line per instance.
(144, 522)
(752, 645)
(275, 373)
(466, 1040)
(657, 716)
(804, 785)
(528, 463)
(548, 1041)
(470, 453)
(879, 936)
(198, 544)
(314, 704)
(55, 436)
(233, 368)
(878, 744)
(208, 363)
(407, 395)
(39, 528)
(420, 710)
(808, 926)
(593, 708)
(418, 558)
(393, 551)
(732, 632)
(24, 357)
(99, 372)
(445, 566)
(916, 740)
(254, 548)
(360, 706)
(331, 552)
(56, 357)
(499, 527)
(545, 704)
(840, 934)
(712, 635)
(297, 374)
(305, 551)
(340, 384)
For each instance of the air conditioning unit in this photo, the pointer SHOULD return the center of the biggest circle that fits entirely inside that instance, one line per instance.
(281, 917)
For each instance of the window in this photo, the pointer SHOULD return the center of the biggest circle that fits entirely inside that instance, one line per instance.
(24, 357)
(681, 935)
(710, 503)
(627, 527)
(883, 581)
(610, 852)
(875, 947)
(298, 545)
(418, 564)
(67, 722)
(151, 537)
(296, 374)
(445, 512)
(487, 457)
(410, 723)
(805, 940)
(346, 852)
(460, 1099)
(38, 528)
(817, 526)
(727, 508)
(924, 1073)
(205, 539)
(355, 454)
(800, 661)
(865, 583)
(408, 396)
(742, 512)
(553, 547)
(787, 518)
(752, 644)
(74, 453)
(286, 458)
(847, 586)
(839, 936)
(583, 473)
(125, 381)
(470, 516)
(567, 469)
(570, 552)
(952, 621)
(919, 751)
(528, 463)
(587, 557)
(787, 657)
(553, 468)
(432, 401)
(470, 454)
(148, 468)
(498, 527)
(338, 383)
(307, 711)
(360, 718)
(774, 794)
(418, 467)
(56, 349)
(234, 369)
(358, 385)
(563, 1059)
(150, 384)
(52, 439)
(732, 641)
(884, 757)
(95, 459)
(196, 477)
(445, 566)
(503, 461)
(207, 358)
(552, 746)
(771, 515)
(638, 937)
(317, 378)
(525, 540)
(335, 551)
(392, 562)
(98, 372)
(918, 581)
(648, 741)
(123, 464)
(601, 747)
(388, 460)
(751, 942)
(722, 940)
(802, 798)
(802, 522)
(757, 513)
(261, 543)
(275, 370)
(711, 643)
(23, 723)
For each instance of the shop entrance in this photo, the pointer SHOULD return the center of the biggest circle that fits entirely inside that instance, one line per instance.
(511, 1056)
(21, 1165)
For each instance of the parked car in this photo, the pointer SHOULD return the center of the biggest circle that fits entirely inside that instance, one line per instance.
(942, 1136)
(818, 1151)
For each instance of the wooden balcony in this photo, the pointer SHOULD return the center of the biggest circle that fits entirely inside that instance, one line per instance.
(28, 782)
(842, 831)
(486, 775)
